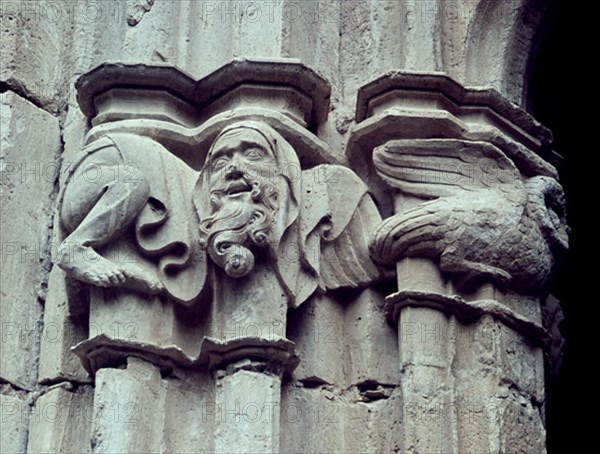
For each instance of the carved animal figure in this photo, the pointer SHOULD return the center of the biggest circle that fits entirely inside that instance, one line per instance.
(484, 222)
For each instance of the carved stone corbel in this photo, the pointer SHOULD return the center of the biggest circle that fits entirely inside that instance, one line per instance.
(474, 220)
(130, 224)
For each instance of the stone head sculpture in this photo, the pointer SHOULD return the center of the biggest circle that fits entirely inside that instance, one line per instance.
(247, 194)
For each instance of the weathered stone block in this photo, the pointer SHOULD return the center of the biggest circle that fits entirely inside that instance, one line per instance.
(371, 344)
(60, 421)
(520, 425)
(248, 410)
(190, 397)
(32, 46)
(30, 145)
(312, 420)
(317, 328)
(14, 414)
(426, 380)
(136, 31)
(61, 332)
(374, 426)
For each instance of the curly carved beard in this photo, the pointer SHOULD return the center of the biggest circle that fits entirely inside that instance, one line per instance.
(239, 222)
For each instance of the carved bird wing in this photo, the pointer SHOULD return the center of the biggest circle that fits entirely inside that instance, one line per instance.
(464, 231)
(474, 186)
(484, 222)
(445, 167)
(416, 231)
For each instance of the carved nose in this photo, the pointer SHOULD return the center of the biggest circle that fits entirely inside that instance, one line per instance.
(233, 172)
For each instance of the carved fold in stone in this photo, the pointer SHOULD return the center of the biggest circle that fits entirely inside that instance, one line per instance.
(125, 180)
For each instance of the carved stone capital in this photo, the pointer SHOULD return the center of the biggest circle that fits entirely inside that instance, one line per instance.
(474, 216)
(478, 217)
(233, 203)
(402, 105)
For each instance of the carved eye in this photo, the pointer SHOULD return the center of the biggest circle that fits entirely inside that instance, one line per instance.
(219, 163)
(254, 153)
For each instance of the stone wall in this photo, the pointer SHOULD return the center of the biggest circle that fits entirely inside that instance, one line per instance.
(459, 371)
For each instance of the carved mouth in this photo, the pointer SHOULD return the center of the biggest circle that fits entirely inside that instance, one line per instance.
(237, 187)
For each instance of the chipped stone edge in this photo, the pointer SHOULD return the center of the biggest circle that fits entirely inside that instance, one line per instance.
(468, 311)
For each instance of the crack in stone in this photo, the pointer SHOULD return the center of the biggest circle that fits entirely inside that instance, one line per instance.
(19, 89)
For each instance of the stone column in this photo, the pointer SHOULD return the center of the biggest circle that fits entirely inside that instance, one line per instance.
(477, 219)
(247, 374)
(125, 417)
(248, 360)
(425, 361)
(133, 341)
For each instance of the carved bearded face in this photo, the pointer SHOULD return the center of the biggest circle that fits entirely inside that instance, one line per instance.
(240, 174)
